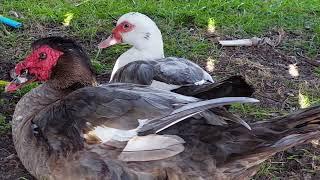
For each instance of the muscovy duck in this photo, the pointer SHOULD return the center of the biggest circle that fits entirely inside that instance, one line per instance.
(70, 128)
(144, 63)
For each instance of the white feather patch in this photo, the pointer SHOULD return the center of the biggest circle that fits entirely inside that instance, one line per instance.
(200, 82)
(106, 134)
(163, 86)
(152, 147)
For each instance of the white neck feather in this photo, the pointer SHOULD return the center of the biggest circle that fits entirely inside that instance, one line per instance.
(145, 39)
(147, 49)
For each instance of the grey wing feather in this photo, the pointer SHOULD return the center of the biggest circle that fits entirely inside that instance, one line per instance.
(137, 72)
(159, 124)
(179, 71)
(171, 70)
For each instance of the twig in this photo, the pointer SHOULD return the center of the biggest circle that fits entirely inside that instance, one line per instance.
(2, 149)
(255, 41)
(112, 17)
(14, 13)
(79, 4)
(241, 42)
(286, 57)
(277, 162)
(114, 20)
(284, 103)
(308, 60)
(97, 55)
(5, 31)
(258, 94)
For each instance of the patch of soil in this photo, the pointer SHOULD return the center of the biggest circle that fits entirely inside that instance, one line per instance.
(300, 162)
(268, 69)
(5, 68)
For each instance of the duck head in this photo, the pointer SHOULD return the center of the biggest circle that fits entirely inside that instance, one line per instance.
(56, 60)
(137, 30)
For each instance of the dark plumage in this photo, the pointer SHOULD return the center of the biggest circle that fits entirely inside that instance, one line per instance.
(234, 86)
(56, 137)
(175, 71)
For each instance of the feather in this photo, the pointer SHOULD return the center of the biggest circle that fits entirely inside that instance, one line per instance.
(213, 119)
(159, 124)
(220, 112)
(152, 147)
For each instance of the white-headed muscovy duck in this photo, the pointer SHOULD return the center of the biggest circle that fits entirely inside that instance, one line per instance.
(69, 128)
(144, 63)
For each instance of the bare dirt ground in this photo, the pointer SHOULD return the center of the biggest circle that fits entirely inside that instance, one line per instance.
(266, 67)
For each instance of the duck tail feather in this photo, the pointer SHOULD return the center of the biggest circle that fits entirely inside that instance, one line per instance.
(234, 86)
(275, 135)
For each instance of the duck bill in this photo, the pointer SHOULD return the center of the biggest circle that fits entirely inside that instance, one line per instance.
(110, 41)
(18, 82)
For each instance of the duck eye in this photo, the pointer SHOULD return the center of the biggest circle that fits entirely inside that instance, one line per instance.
(126, 26)
(42, 56)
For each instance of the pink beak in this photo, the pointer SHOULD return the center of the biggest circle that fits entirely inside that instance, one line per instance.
(110, 41)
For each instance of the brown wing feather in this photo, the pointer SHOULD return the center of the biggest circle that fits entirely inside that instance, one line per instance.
(62, 123)
(212, 152)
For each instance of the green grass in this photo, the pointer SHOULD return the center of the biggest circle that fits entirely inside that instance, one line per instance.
(3, 85)
(21, 91)
(267, 169)
(4, 126)
(253, 111)
(317, 72)
(250, 16)
(22, 178)
(26, 89)
(239, 17)
(308, 98)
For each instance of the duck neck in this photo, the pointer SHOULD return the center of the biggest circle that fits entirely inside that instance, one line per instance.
(151, 49)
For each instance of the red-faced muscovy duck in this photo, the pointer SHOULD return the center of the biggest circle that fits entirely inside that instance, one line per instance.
(70, 128)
